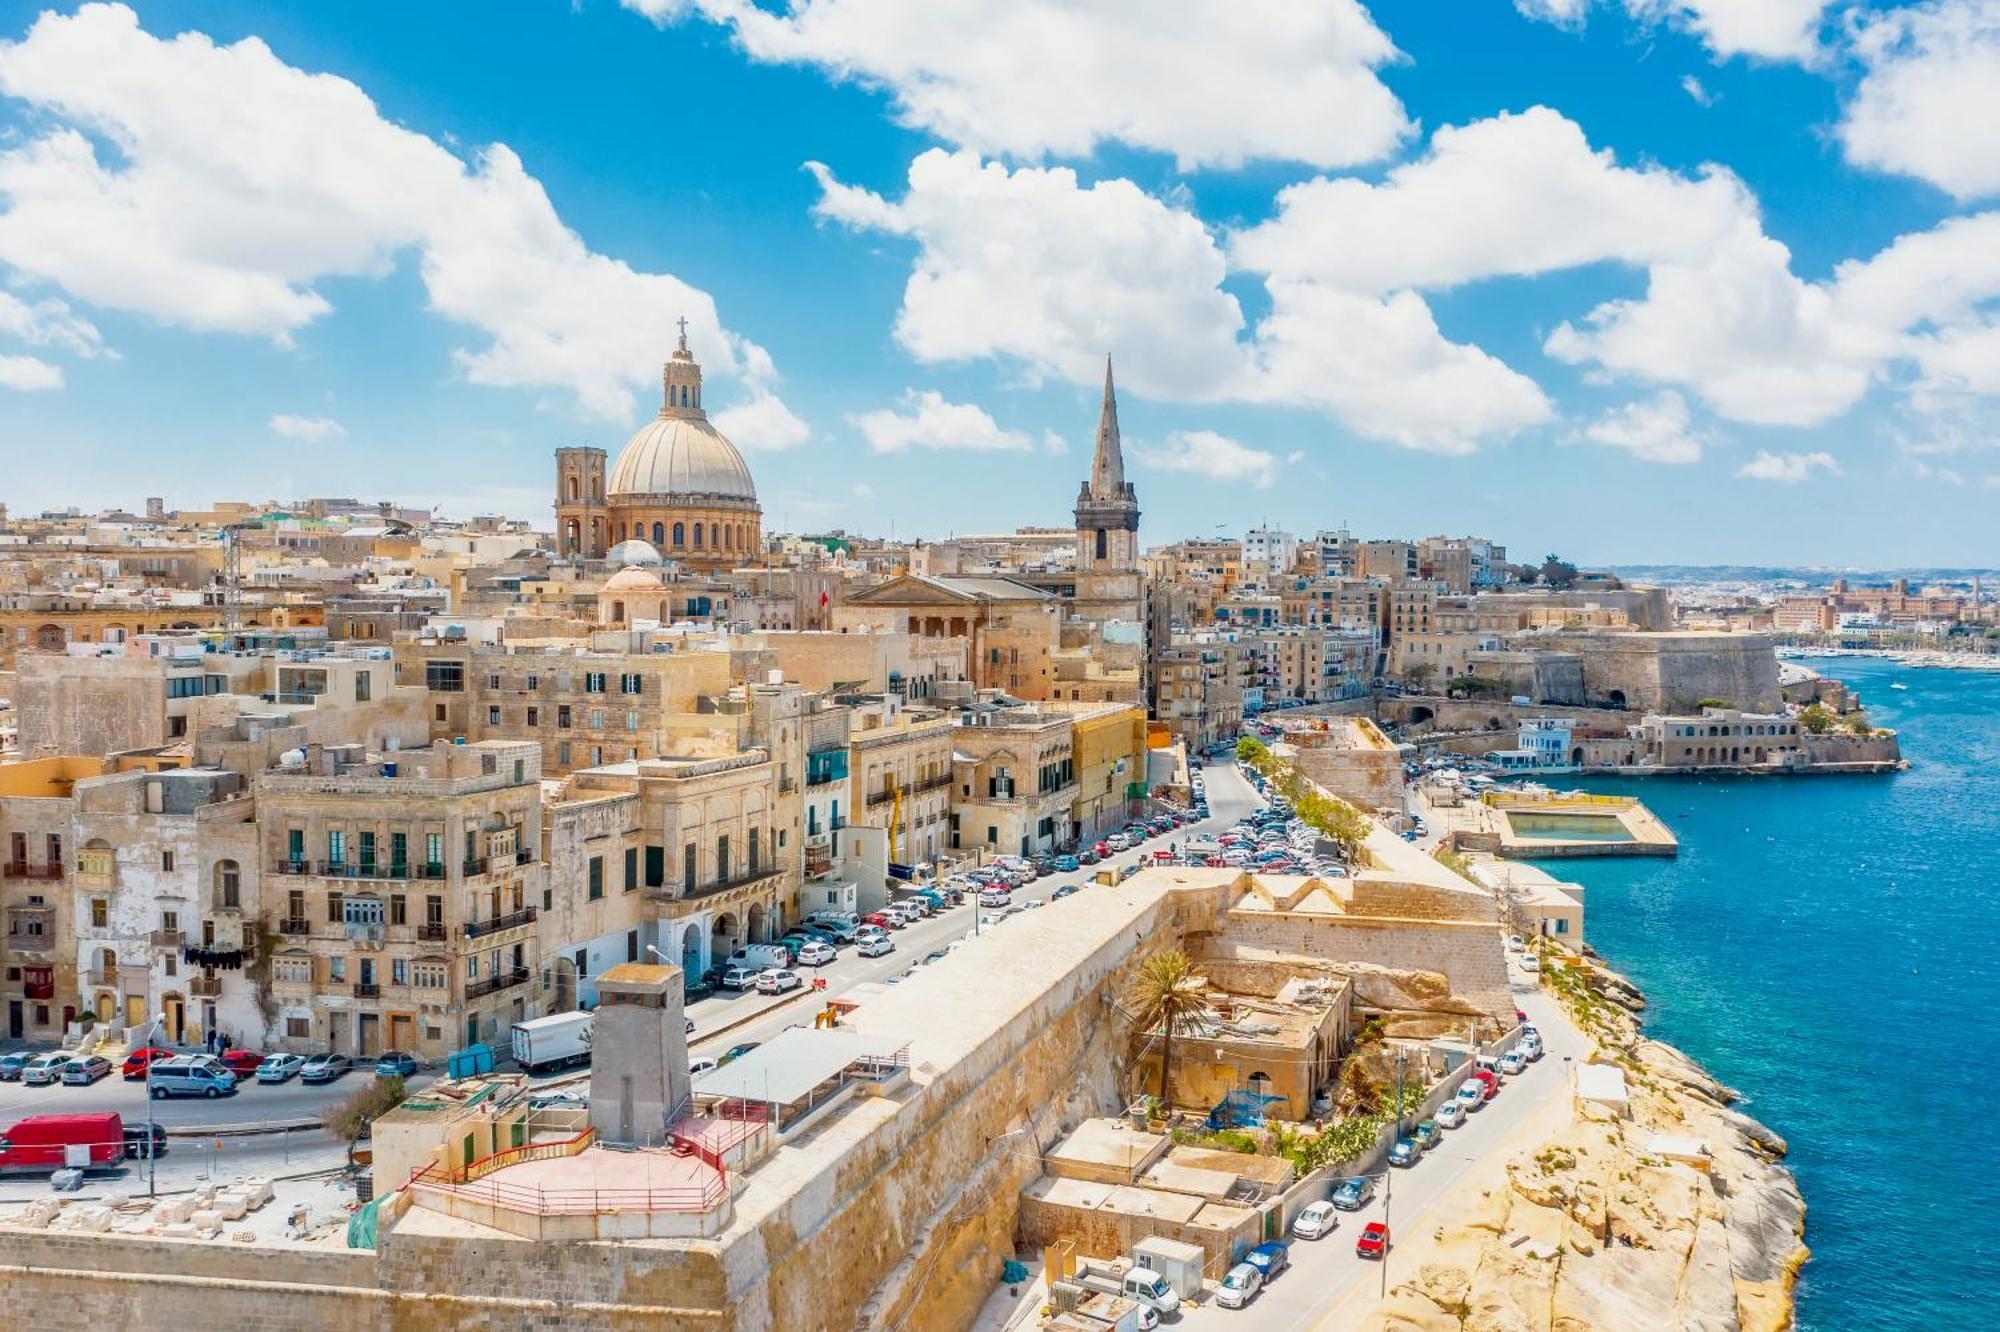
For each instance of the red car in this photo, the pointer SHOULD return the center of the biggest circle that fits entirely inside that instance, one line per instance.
(1374, 1241)
(1489, 1079)
(139, 1061)
(241, 1062)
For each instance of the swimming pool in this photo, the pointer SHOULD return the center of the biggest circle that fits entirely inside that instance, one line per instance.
(1529, 827)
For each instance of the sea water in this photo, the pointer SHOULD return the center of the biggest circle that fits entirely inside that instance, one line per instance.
(1830, 947)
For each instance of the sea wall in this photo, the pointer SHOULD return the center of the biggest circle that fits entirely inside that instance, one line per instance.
(1672, 672)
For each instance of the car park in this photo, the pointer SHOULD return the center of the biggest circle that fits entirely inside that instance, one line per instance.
(1374, 1241)
(45, 1070)
(325, 1068)
(778, 981)
(1239, 1286)
(280, 1068)
(875, 945)
(138, 1061)
(85, 1069)
(1315, 1221)
(395, 1064)
(1352, 1194)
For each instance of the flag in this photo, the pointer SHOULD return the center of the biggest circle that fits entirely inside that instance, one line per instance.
(822, 598)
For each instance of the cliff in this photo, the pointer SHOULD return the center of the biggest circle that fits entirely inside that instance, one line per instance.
(1610, 1223)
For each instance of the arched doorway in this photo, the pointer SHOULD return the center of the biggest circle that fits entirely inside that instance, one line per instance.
(756, 933)
(1616, 698)
(176, 1025)
(722, 939)
(106, 1006)
(1419, 715)
(692, 961)
(565, 985)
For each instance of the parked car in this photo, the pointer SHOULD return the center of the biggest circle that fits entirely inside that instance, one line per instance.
(1513, 1062)
(875, 945)
(1405, 1152)
(816, 954)
(1489, 1082)
(1315, 1221)
(736, 1052)
(1427, 1134)
(145, 1140)
(241, 1062)
(325, 1068)
(193, 1075)
(85, 1069)
(1352, 1194)
(697, 1067)
(741, 977)
(993, 897)
(44, 1070)
(1066, 890)
(1470, 1095)
(1450, 1115)
(1374, 1241)
(12, 1063)
(1270, 1258)
(395, 1064)
(1531, 1046)
(136, 1063)
(1516, 944)
(280, 1068)
(1239, 1286)
(778, 981)
(1531, 964)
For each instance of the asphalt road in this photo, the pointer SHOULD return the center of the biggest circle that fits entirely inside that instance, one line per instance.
(1324, 1271)
(1230, 798)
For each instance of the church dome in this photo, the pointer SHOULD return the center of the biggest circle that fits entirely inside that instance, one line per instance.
(679, 454)
(634, 552)
(633, 579)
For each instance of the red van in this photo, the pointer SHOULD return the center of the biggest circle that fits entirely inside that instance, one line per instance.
(42, 1141)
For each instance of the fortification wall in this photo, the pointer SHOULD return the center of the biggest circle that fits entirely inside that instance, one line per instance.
(1468, 955)
(1672, 672)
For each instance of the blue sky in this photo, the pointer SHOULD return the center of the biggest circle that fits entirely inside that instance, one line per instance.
(1635, 280)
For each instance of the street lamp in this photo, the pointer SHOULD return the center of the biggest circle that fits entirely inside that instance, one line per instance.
(152, 1147)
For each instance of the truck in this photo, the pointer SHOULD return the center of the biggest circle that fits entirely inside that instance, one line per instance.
(1121, 1277)
(556, 1041)
(52, 1142)
(761, 956)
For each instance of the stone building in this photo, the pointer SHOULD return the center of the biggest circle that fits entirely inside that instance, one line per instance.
(402, 896)
(678, 483)
(1015, 769)
(900, 772)
(1108, 582)
(1110, 762)
(1013, 630)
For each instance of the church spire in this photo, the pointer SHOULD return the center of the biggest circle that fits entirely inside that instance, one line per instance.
(1107, 468)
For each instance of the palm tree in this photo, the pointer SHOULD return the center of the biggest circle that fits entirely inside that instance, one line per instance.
(1167, 995)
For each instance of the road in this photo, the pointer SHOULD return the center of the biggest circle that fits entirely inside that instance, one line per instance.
(1326, 1270)
(1230, 798)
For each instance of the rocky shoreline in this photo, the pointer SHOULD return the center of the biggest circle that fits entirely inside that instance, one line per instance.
(1610, 1222)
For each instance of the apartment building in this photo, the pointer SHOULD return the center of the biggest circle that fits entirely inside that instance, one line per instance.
(900, 766)
(1015, 775)
(1110, 762)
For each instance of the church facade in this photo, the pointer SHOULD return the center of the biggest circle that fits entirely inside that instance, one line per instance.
(678, 484)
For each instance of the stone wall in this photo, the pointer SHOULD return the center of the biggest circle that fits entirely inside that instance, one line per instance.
(1467, 956)
(1672, 672)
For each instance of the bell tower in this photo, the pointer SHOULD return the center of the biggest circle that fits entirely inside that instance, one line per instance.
(1107, 509)
(581, 530)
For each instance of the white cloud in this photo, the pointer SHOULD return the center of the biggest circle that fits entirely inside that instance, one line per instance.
(1212, 82)
(49, 323)
(930, 422)
(1030, 265)
(1765, 29)
(762, 423)
(1207, 454)
(1926, 107)
(1053, 443)
(1546, 199)
(308, 429)
(1696, 89)
(234, 184)
(29, 374)
(862, 490)
(1788, 468)
(1654, 430)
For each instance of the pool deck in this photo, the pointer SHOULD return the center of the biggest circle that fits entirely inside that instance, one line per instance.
(1487, 825)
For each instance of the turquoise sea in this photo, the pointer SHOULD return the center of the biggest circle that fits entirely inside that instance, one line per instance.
(1830, 947)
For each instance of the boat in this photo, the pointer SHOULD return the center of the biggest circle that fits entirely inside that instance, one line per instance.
(1898, 684)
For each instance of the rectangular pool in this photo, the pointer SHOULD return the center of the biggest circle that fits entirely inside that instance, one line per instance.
(1567, 827)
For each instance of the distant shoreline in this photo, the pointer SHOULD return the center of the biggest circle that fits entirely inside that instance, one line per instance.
(1915, 658)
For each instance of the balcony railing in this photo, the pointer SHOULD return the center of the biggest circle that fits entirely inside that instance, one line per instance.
(20, 869)
(433, 932)
(932, 783)
(295, 927)
(476, 928)
(101, 976)
(39, 989)
(166, 938)
(880, 798)
(367, 989)
(505, 980)
(205, 987)
(673, 893)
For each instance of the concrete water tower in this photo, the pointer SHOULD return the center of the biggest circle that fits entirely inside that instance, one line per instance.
(638, 1054)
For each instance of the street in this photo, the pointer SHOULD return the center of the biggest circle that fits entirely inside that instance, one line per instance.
(1325, 1270)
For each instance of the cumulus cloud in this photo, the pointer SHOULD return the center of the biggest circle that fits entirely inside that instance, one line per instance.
(1925, 106)
(1212, 82)
(1788, 468)
(1764, 29)
(235, 184)
(49, 323)
(29, 374)
(1204, 453)
(928, 421)
(307, 429)
(1654, 430)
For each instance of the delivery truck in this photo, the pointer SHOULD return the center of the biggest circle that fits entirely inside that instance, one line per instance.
(51, 1142)
(556, 1041)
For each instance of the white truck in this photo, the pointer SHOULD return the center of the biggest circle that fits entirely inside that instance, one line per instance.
(1121, 1277)
(556, 1041)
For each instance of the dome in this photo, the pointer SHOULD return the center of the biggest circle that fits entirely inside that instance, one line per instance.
(680, 455)
(634, 552)
(631, 579)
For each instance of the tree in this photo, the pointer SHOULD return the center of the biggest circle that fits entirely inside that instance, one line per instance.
(1167, 995)
(1815, 719)
(1419, 673)
(1557, 572)
(1250, 750)
(1471, 685)
(350, 1119)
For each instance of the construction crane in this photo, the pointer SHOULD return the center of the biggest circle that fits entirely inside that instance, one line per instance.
(232, 575)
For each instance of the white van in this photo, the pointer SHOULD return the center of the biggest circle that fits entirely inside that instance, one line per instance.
(190, 1075)
(761, 956)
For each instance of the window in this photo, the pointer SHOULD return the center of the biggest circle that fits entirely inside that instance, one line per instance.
(295, 845)
(597, 724)
(722, 859)
(336, 846)
(362, 687)
(399, 971)
(434, 854)
(100, 912)
(399, 913)
(399, 853)
(632, 684)
(563, 753)
(166, 861)
(298, 1028)
(754, 849)
(228, 885)
(444, 677)
(631, 721)
(336, 969)
(656, 866)
(492, 716)
(688, 858)
(336, 908)
(593, 682)
(631, 868)
(534, 716)
(364, 843)
(596, 877)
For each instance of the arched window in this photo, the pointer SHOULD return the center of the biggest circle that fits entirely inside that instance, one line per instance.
(572, 486)
(697, 536)
(729, 538)
(228, 885)
(680, 534)
(617, 612)
(659, 535)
